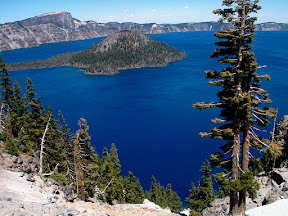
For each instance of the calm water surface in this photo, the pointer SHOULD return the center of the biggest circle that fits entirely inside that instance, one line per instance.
(148, 112)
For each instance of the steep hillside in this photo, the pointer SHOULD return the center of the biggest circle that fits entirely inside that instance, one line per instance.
(60, 26)
(122, 50)
(24, 192)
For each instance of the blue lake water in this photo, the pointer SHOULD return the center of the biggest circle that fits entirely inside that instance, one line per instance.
(148, 112)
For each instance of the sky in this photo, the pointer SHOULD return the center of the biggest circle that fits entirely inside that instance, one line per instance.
(145, 11)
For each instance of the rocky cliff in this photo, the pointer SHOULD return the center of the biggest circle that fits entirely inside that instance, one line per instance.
(61, 26)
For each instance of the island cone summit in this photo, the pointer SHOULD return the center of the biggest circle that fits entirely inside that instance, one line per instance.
(123, 50)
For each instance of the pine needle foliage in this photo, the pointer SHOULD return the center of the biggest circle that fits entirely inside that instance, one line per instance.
(241, 99)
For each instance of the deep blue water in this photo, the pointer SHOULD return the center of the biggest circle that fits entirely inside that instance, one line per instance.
(148, 112)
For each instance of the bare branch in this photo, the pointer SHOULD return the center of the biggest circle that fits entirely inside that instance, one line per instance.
(48, 174)
(274, 127)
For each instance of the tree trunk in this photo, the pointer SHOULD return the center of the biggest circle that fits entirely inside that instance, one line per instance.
(42, 146)
(235, 166)
(75, 167)
(245, 165)
(235, 208)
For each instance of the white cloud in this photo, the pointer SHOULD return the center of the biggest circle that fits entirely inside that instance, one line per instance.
(186, 7)
(154, 10)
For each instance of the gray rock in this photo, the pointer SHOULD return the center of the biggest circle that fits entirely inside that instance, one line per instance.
(21, 206)
(20, 161)
(72, 212)
(218, 207)
(69, 193)
(27, 169)
(32, 168)
(14, 159)
(30, 178)
(53, 199)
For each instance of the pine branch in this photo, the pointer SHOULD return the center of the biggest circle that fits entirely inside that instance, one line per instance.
(202, 105)
(217, 120)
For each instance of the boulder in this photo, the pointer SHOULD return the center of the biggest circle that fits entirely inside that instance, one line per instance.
(218, 207)
(69, 193)
(150, 205)
(30, 178)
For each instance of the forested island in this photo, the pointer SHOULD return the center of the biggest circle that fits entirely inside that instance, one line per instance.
(124, 50)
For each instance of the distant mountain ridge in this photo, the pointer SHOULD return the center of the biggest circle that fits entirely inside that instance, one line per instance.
(61, 26)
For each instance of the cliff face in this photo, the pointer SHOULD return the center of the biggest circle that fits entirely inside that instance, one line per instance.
(60, 26)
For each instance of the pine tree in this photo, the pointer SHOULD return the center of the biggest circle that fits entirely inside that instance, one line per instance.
(133, 190)
(163, 197)
(106, 175)
(200, 197)
(172, 200)
(7, 92)
(53, 153)
(206, 187)
(66, 145)
(239, 99)
(111, 169)
(154, 194)
(193, 200)
(6, 104)
(85, 162)
(17, 110)
(34, 120)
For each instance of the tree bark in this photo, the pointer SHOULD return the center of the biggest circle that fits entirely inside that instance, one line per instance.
(245, 165)
(234, 207)
(235, 166)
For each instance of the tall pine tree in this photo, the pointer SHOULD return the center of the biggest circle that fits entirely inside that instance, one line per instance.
(66, 145)
(7, 92)
(239, 99)
(133, 191)
(110, 175)
(85, 162)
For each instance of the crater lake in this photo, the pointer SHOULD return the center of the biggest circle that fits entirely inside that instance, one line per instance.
(148, 112)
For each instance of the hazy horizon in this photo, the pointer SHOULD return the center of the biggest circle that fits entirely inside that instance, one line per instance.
(157, 11)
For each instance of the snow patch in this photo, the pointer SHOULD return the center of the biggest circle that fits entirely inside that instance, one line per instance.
(278, 208)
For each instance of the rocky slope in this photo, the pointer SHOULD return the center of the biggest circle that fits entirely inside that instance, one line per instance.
(23, 192)
(125, 49)
(61, 26)
(273, 187)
